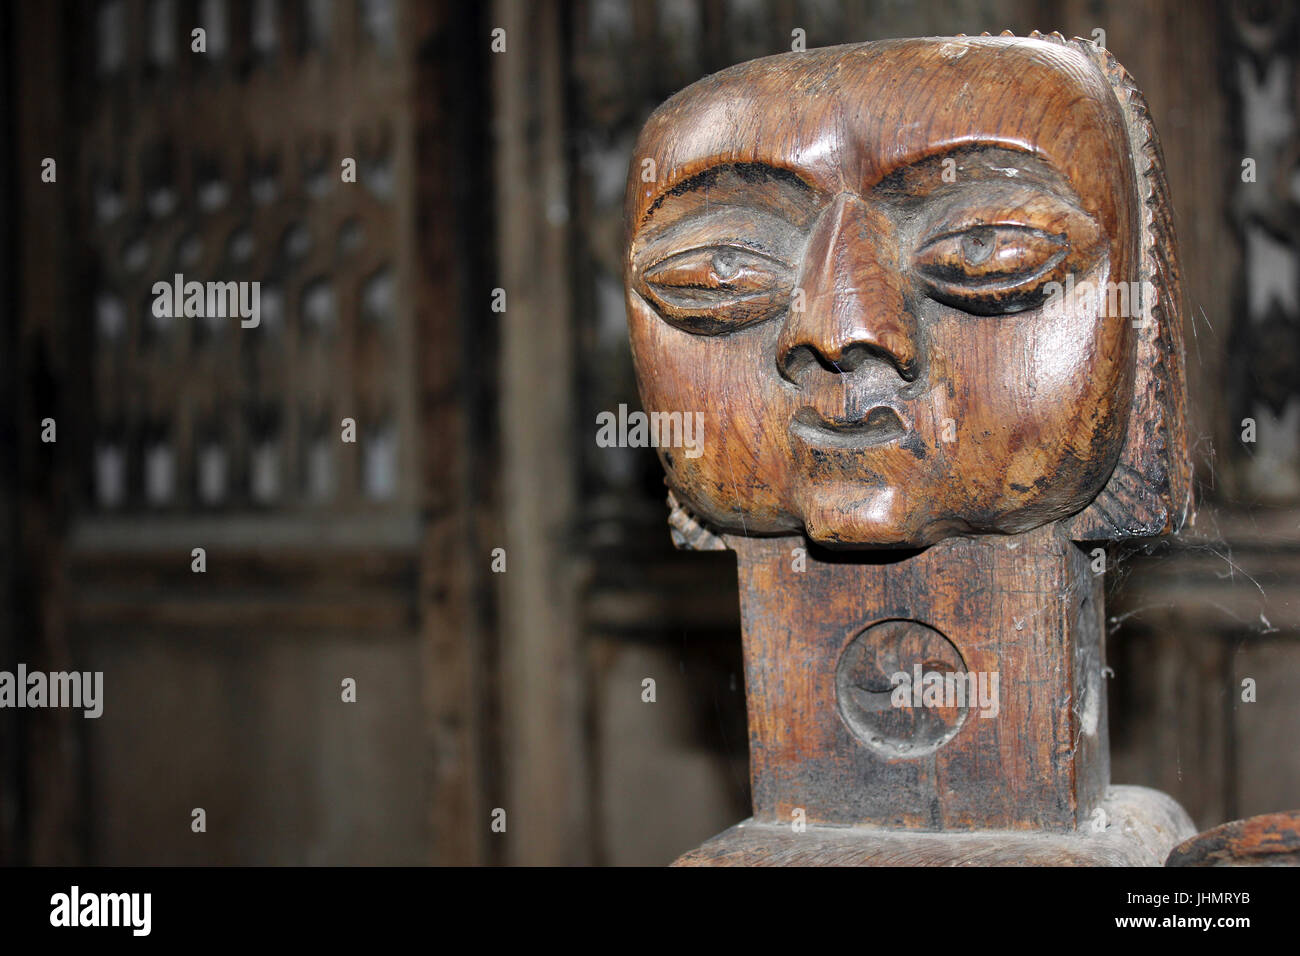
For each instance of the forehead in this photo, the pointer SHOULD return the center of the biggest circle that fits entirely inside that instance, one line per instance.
(845, 117)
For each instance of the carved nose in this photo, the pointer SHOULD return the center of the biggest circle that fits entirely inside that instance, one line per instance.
(853, 303)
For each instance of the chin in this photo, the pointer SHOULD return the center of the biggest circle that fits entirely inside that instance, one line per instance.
(855, 517)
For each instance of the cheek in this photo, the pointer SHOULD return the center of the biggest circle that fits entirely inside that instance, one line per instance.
(1035, 396)
(743, 460)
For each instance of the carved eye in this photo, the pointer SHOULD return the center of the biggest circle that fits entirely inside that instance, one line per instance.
(991, 269)
(715, 289)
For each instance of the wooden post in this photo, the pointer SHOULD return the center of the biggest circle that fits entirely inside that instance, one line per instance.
(541, 655)
(1025, 746)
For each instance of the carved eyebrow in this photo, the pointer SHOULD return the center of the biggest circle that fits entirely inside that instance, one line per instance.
(753, 173)
(997, 158)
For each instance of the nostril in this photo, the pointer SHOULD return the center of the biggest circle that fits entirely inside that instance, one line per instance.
(802, 357)
(841, 361)
(906, 369)
(859, 354)
(851, 357)
(797, 360)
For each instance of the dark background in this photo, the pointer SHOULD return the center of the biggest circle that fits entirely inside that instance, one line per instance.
(476, 171)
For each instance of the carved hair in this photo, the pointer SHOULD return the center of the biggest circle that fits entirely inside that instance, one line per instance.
(1150, 490)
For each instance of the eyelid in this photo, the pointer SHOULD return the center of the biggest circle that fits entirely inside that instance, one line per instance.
(688, 291)
(1016, 206)
(680, 268)
(950, 256)
(1034, 241)
(752, 227)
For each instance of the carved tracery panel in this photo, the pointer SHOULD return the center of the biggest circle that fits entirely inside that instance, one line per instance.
(286, 187)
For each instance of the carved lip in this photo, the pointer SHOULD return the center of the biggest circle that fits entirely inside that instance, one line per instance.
(880, 426)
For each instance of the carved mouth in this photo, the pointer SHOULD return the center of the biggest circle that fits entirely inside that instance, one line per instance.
(882, 425)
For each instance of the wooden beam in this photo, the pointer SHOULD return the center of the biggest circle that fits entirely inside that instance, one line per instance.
(542, 663)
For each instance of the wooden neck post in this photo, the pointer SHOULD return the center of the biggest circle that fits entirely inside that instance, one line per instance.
(1006, 728)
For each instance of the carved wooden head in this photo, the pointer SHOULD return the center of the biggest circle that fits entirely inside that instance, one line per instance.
(918, 288)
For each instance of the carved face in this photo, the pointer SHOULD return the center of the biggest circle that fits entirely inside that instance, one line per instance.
(856, 262)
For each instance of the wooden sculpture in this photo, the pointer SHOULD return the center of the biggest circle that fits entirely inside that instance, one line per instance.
(926, 294)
